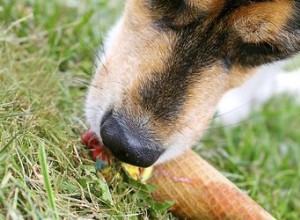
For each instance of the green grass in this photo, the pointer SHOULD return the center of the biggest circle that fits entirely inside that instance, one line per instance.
(46, 51)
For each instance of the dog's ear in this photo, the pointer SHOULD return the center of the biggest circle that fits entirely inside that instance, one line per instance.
(263, 32)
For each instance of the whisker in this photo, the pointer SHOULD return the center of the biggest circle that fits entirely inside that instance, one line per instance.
(96, 54)
(104, 55)
(234, 109)
(95, 109)
(251, 119)
(91, 118)
(87, 84)
(91, 49)
(212, 140)
(82, 82)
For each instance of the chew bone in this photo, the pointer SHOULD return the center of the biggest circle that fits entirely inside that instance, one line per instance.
(201, 192)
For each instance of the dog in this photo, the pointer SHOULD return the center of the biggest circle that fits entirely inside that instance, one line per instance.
(166, 65)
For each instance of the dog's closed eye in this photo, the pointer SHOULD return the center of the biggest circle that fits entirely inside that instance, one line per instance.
(175, 14)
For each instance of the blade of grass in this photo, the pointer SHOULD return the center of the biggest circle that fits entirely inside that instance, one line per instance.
(47, 182)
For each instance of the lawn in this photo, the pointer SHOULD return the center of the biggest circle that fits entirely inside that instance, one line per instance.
(47, 50)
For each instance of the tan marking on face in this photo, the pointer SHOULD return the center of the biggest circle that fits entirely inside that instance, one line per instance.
(262, 21)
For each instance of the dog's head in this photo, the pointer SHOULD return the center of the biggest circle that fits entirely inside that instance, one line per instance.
(167, 63)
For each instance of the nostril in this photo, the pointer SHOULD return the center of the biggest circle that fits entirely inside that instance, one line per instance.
(128, 144)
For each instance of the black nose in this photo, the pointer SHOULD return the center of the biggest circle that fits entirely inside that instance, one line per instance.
(128, 143)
